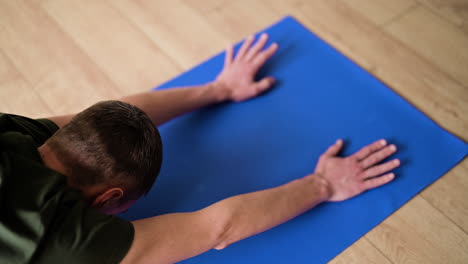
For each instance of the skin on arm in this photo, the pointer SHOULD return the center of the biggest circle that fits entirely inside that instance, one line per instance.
(175, 237)
(236, 82)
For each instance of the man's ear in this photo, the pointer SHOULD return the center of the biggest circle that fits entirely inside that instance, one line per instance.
(109, 198)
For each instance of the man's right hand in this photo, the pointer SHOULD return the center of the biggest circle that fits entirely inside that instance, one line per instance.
(347, 177)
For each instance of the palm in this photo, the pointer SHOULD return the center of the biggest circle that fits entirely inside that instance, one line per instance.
(238, 74)
(350, 176)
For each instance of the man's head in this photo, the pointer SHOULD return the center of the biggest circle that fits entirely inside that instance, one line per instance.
(111, 151)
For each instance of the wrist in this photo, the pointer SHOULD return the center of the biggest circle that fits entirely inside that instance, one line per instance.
(321, 186)
(219, 91)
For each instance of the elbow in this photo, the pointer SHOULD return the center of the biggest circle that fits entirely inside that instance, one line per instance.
(224, 219)
(222, 244)
(223, 236)
(220, 247)
(223, 232)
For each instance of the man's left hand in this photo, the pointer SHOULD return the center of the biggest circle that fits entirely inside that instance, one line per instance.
(237, 79)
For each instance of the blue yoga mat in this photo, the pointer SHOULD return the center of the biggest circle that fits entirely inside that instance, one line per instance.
(320, 96)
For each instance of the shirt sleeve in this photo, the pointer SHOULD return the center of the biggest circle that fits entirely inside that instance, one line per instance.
(39, 129)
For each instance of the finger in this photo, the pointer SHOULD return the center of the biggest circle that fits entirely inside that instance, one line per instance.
(334, 149)
(369, 149)
(381, 169)
(241, 53)
(263, 56)
(264, 84)
(378, 156)
(378, 181)
(251, 53)
(228, 56)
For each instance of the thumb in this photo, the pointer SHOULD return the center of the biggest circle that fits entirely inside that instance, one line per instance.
(335, 148)
(264, 84)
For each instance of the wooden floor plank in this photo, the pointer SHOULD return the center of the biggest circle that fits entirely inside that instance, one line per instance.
(380, 12)
(16, 95)
(449, 195)
(362, 251)
(455, 11)
(176, 29)
(439, 41)
(123, 52)
(206, 5)
(238, 19)
(56, 69)
(417, 233)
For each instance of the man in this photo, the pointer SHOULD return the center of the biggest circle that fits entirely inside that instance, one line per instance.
(62, 178)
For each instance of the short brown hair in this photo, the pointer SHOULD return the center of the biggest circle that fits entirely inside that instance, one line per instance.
(111, 142)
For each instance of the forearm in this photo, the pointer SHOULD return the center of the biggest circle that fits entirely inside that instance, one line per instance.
(252, 213)
(174, 237)
(164, 105)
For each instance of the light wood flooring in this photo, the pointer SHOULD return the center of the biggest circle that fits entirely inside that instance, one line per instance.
(60, 56)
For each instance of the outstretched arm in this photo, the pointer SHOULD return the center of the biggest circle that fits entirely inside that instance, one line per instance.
(236, 82)
(174, 237)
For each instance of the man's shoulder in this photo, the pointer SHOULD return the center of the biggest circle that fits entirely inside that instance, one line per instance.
(27, 193)
(38, 129)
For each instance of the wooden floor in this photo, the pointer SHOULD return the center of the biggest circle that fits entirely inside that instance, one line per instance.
(60, 56)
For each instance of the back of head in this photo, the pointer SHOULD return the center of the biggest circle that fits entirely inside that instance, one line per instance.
(111, 143)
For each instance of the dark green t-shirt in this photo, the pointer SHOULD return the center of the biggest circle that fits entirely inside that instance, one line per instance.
(42, 220)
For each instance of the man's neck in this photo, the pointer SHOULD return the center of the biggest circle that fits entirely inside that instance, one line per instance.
(50, 159)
